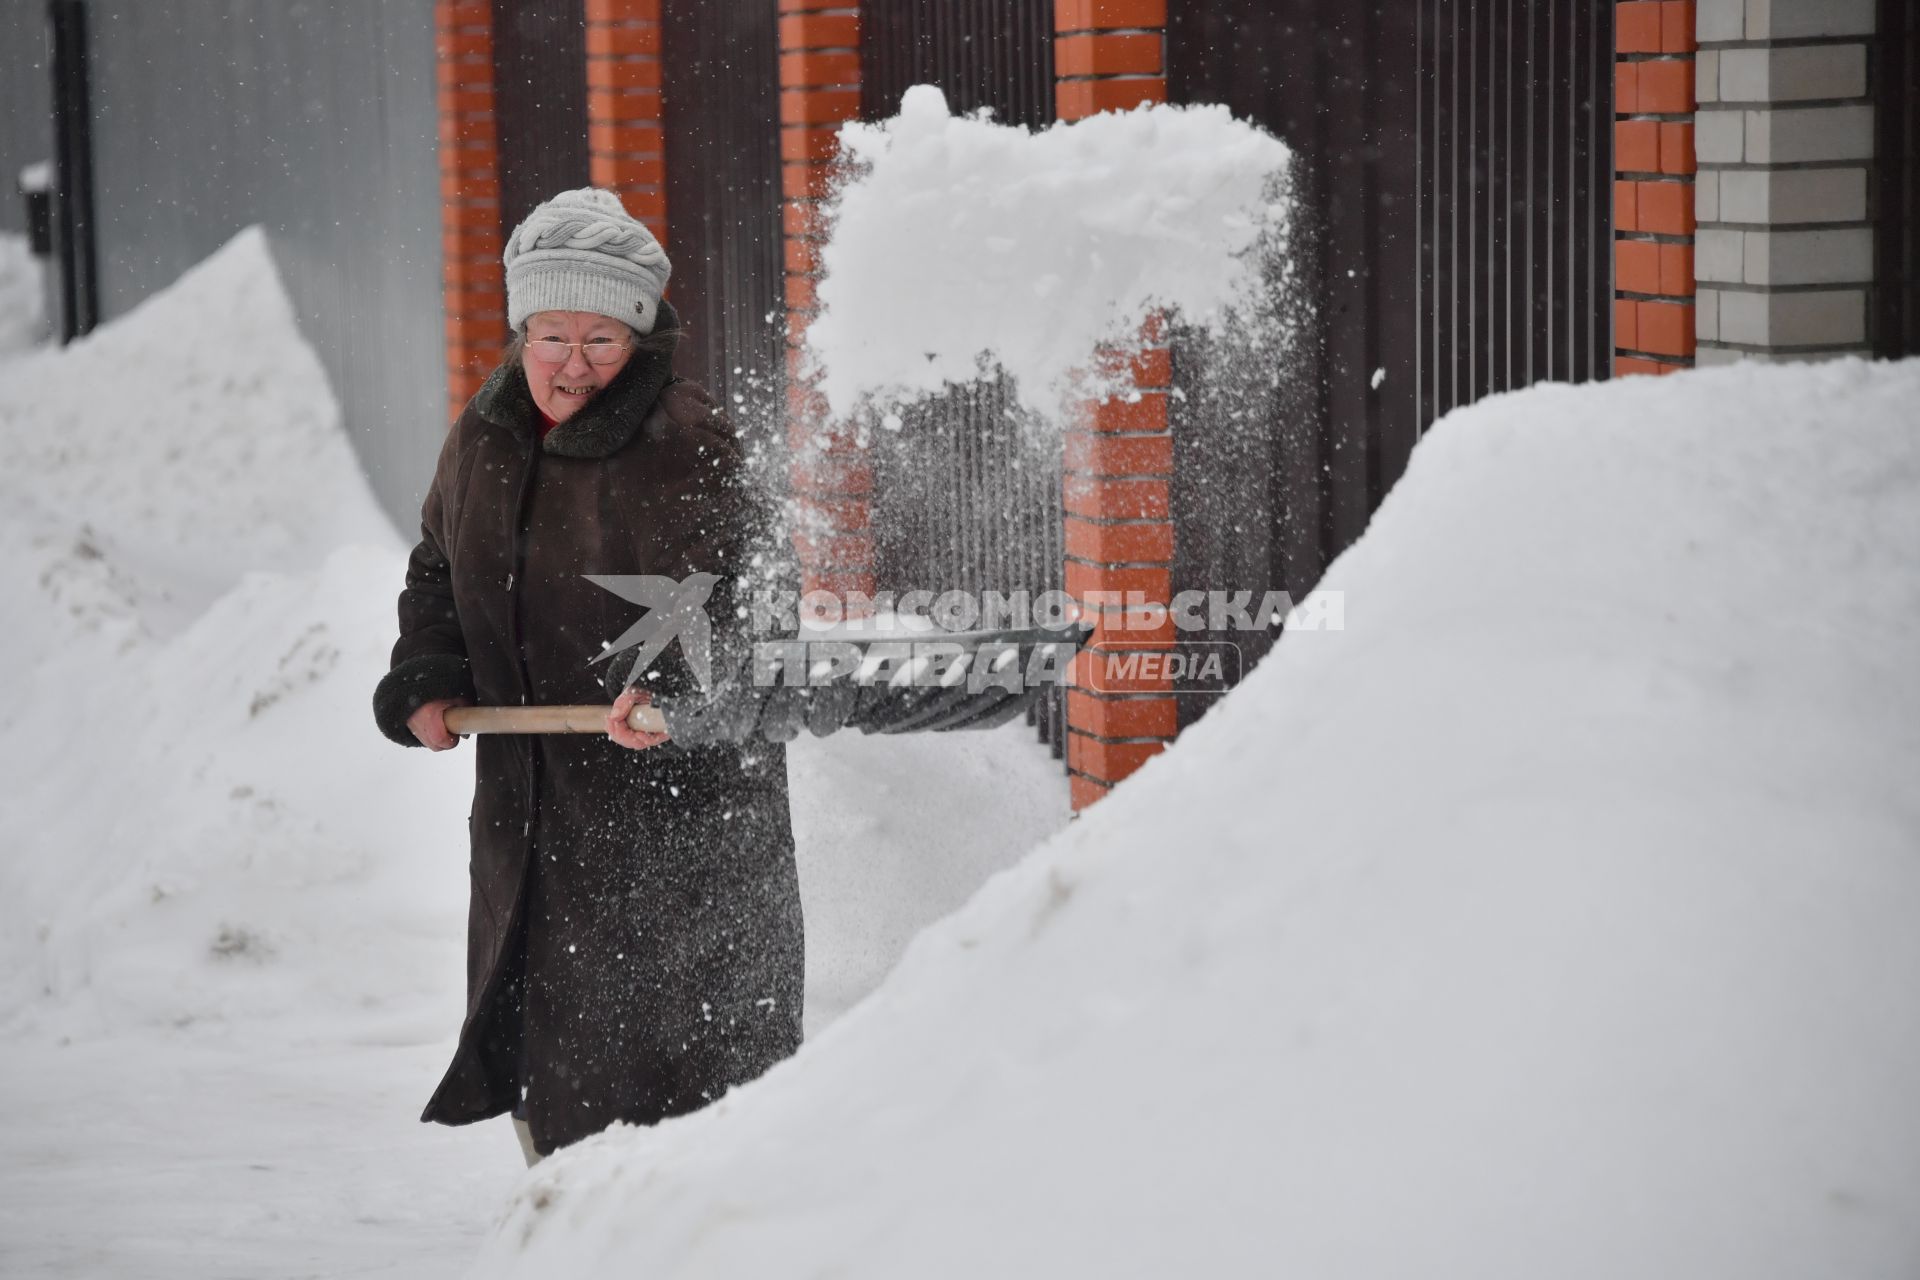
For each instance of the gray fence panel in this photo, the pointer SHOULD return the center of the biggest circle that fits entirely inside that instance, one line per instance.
(26, 97)
(317, 122)
(967, 497)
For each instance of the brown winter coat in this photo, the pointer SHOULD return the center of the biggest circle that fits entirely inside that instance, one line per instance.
(634, 937)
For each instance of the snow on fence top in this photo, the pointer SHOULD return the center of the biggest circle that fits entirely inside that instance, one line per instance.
(955, 238)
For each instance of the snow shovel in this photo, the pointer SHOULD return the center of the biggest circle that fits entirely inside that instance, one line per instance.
(924, 682)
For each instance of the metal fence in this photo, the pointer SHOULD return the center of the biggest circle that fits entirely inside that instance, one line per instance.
(540, 102)
(317, 122)
(967, 495)
(722, 121)
(26, 102)
(1454, 239)
(982, 53)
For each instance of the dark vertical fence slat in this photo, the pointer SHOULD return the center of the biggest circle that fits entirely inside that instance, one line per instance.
(1509, 219)
(1553, 259)
(1447, 58)
(1393, 260)
(1896, 87)
(721, 116)
(74, 240)
(1472, 180)
(1345, 107)
(1540, 210)
(540, 97)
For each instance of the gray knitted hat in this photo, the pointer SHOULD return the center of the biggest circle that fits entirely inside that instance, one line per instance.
(582, 251)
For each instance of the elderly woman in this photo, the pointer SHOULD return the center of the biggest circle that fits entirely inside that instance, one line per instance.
(634, 937)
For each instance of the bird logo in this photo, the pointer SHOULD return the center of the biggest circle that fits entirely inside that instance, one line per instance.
(675, 610)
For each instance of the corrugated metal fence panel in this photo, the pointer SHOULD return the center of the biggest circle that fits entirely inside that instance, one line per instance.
(1453, 186)
(26, 103)
(316, 121)
(1273, 474)
(1514, 120)
(1897, 178)
(722, 108)
(967, 494)
(967, 498)
(540, 101)
(1515, 123)
(982, 53)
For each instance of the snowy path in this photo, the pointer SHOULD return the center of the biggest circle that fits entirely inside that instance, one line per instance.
(161, 1156)
(287, 1148)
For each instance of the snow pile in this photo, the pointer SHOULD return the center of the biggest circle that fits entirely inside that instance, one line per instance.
(957, 239)
(1554, 919)
(896, 832)
(22, 300)
(188, 545)
(230, 924)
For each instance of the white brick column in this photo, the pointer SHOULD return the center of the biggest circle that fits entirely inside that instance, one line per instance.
(1784, 136)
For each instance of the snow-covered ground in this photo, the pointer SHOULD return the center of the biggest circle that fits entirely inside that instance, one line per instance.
(231, 915)
(1557, 918)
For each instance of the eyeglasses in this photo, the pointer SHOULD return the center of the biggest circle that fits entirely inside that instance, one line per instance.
(597, 351)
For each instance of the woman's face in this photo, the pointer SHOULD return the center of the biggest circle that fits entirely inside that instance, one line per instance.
(561, 386)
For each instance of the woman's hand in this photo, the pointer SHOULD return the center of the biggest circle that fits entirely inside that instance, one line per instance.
(625, 734)
(429, 723)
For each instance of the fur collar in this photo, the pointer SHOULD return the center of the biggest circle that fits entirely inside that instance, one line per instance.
(604, 424)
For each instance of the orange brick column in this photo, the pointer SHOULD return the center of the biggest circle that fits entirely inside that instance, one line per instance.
(1653, 188)
(1119, 571)
(471, 241)
(1108, 55)
(831, 477)
(626, 153)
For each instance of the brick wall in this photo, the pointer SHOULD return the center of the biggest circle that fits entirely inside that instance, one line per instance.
(1786, 139)
(1108, 55)
(1111, 55)
(831, 476)
(1653, 143)
(472, 286)
(625, 148)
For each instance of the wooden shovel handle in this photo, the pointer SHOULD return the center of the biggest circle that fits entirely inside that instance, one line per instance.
(464, 720)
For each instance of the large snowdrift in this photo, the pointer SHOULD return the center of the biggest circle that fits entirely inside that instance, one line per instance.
(188, 546)
(232, 917)
(1556, 918)
(230, 945)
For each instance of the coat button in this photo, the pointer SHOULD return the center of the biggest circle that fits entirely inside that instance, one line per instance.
(508, 582)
